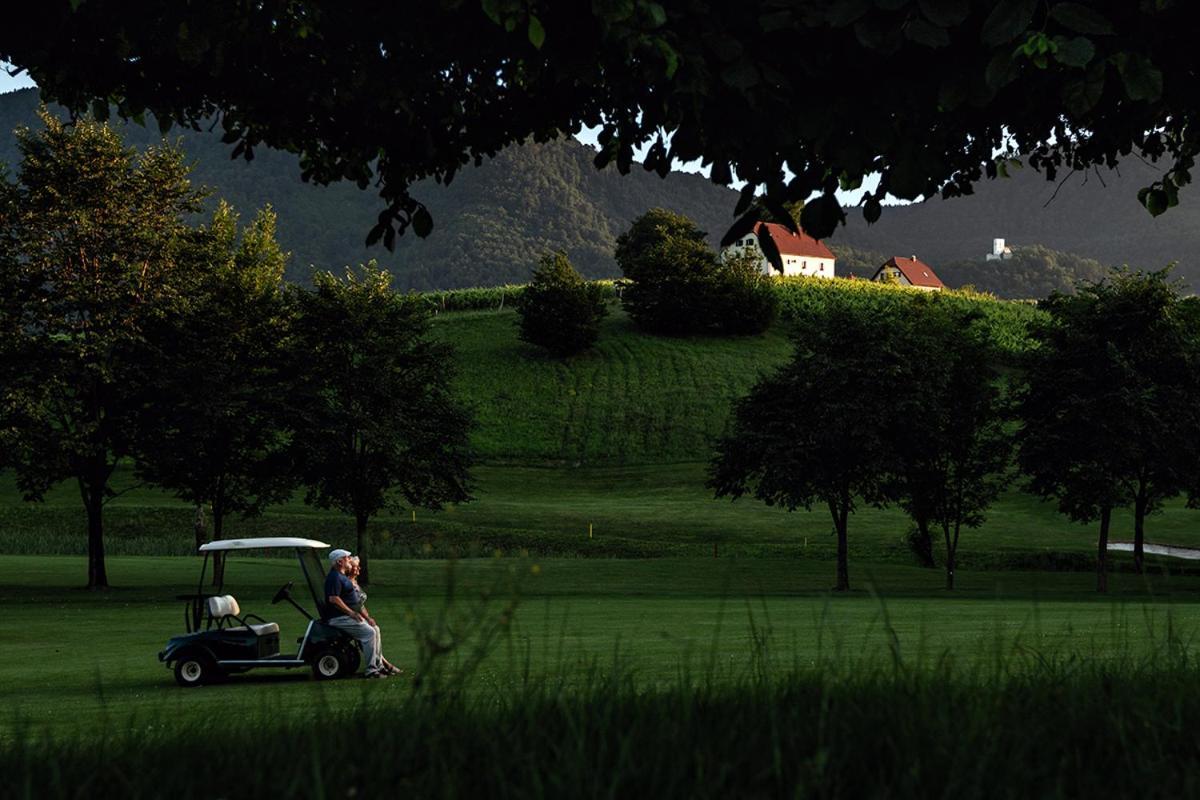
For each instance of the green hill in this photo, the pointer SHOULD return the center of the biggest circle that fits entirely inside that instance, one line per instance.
(635, 399)
(643, 399)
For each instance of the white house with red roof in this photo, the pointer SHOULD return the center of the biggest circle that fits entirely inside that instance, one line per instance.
(783, 252)
(909, 272)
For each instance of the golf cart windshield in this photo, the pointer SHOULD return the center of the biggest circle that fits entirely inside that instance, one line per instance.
(314, 576)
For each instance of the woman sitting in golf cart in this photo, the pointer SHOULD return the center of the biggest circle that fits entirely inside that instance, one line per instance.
(340, 593)
(360, 605)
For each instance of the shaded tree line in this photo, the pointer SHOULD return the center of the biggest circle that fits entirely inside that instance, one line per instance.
(915, 406)
(133, 337)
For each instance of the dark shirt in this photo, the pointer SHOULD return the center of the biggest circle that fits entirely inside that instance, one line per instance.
(336, 585)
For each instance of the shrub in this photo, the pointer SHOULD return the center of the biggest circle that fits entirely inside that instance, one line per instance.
(744, 300)
(559, 310)
(679, 286)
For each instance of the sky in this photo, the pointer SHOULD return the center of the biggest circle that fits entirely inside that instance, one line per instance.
(9, 83)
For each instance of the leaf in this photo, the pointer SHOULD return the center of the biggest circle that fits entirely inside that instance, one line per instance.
(1154, 199)
(737, 230)
(1008, 20)
(821, 216)
(846, 12)
(1081, 96)
(952, 92)
(1143, 80)
(1080, 18)
(741, 75)
(537, 34)
(658, 15)
(922, 32)
(721, 173)
(492, 9)
(422, 222)
(872, 208)
(669, 56)
(746, 198)
(946, 13)
(776, 21)
(1001, 70)
(1077, 52)
(100, 110)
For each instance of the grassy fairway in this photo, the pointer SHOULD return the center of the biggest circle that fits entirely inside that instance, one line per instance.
(634, 511)
(85, 659)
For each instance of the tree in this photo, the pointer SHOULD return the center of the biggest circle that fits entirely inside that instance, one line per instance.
(98, 233)
(953, 448)
(670, 269)
(679, 286)
(793, 441)
(1106, 417)
(376, 420)
(360, 97)
(216, 435)
(559, 310)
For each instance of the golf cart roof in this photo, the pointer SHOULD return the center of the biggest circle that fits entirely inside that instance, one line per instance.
(266, 542)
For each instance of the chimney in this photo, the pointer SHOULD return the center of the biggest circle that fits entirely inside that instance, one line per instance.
(912, 258)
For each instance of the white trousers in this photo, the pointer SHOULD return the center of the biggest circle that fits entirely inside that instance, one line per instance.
(367, 635)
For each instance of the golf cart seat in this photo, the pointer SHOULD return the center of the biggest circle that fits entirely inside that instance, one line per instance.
(225, 607)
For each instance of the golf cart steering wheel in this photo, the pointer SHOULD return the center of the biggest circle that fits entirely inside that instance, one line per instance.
(283, 592)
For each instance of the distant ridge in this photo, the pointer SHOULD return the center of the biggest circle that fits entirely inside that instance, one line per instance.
(493, 222)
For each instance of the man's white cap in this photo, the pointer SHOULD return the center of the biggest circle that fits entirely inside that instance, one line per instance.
(337, 555)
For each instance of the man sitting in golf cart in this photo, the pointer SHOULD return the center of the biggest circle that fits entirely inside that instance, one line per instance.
(340, 595)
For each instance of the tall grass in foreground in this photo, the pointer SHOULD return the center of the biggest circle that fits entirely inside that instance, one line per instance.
(1025, 725)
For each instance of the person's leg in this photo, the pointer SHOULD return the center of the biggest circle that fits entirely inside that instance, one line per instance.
(365, 635)
(377, 647)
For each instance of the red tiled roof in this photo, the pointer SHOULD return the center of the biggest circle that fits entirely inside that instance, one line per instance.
(918, 272)
(791, 244)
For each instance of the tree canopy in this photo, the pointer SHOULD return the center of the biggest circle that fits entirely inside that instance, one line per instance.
(367, 93)
(97, 242)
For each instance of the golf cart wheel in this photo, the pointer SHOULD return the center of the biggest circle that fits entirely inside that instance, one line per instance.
(352, 659)
(195, 670)
(330, 664)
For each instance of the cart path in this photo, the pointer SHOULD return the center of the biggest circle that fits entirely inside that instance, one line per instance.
(1188, 553)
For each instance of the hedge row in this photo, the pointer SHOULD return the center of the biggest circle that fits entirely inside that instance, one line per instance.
(798, 298)
(491, 298)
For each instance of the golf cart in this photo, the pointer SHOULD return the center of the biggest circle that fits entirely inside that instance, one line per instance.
(221, 640)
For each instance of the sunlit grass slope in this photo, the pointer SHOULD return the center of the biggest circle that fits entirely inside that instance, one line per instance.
(634, 399)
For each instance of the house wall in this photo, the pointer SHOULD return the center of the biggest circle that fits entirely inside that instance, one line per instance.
(792, 265)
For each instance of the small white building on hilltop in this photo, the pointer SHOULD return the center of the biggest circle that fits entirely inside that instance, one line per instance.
(999, 251)
(782, 252)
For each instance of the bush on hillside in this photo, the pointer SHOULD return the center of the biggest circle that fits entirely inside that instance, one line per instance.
(559, 310)
(679, 286)
(744, 300)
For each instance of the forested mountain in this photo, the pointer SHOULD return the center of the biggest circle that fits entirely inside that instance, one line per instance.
(494, 221)
(1094, 215)
(491, 224)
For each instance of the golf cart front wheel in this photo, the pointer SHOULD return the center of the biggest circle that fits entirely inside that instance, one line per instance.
(194, 671)
(330, 664)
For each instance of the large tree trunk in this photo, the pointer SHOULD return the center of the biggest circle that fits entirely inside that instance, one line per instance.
(922, 543)
(360, 525)
(1102, 551)
(951, 554)
(1139, 531)
(839, 512)
(218, 518)
(93, 495)
(199, 526)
